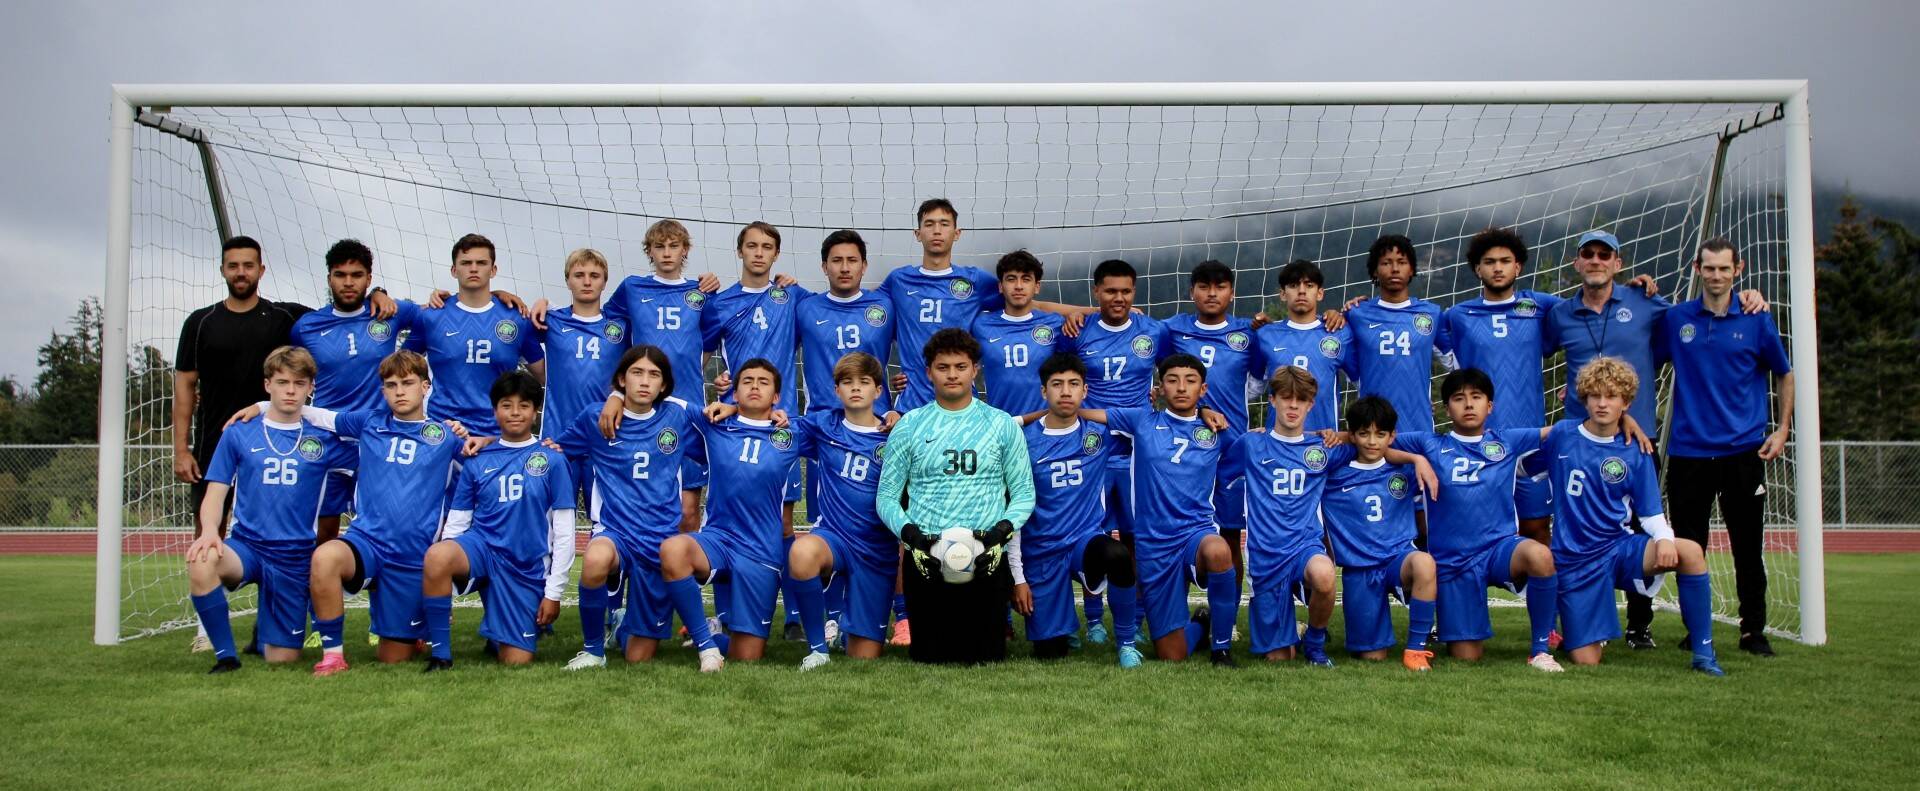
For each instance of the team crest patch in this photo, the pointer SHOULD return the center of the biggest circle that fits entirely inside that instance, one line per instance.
(1423, 324)
(778, 295)
(537, 463)
(1686, 333)
(506, 331)
(433, 434)
(1204, 437)
(614, 331)
(668, 440)
(1397, 485)
(379, 330)
(1142, 346)
(1316, 458)
(1043, 335)
(1623, 315)
(1493, 450)
(876, 316)
(1526, 307)
(1237, 341)
(310, 449)
(960, 289)
(695, 298)
(1090, 443)
(782, 439)
(1613, 470)
(1330, 347)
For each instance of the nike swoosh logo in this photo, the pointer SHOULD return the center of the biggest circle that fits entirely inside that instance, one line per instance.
(1266, 461)
(492, 470)
(819, 322)
(451, 333)
(1372, 324)
(766, 621)
(995, 339)
(614, 443)
(928, 441)
(1159, 428)
(526, 634)
(257, 450)
(1345, 489)
(647, 300)
(325, 333)
(416, 623)
(912, 291)
(566, 329)
(1564, 456)
(1444, 451)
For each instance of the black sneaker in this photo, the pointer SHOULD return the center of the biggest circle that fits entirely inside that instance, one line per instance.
(435, 665)
(225, 665)
(1222, 658)
(1641, 640)
(1756, 644)
(792, 631)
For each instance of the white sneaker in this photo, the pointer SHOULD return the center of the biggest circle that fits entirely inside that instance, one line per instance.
(200, 644)
(813, 660)
(711, 661)
(833, 633)
(1545, 663)
(584, 660)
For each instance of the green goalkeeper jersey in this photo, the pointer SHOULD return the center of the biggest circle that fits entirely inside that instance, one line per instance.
(962, 467)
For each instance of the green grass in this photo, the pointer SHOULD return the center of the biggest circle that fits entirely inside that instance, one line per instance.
(142, 714)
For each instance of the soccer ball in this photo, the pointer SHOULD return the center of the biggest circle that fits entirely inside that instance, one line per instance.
(956, 549)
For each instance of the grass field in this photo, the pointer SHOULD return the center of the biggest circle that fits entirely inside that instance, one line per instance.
(142, 714)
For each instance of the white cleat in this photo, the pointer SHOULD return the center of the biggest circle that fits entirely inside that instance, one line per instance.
(813, 660)
(833, 634)
(584, 661)
(200, 645)
(711, 661)
(1545, 663)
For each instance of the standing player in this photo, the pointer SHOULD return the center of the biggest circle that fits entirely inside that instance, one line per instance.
(583, 347)
(1393, 335)
(1224, 342)
(1604, 481)
(1304, 341)
(508, 535)
(956, 463)
(1368, 506)
(1119, 352)
(842, 321)
(473, 342)
(1063, 540)
(1015, 340)
(1719, 446)
(278, 468)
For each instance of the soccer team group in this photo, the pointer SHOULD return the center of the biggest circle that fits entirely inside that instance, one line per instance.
(1109, 449)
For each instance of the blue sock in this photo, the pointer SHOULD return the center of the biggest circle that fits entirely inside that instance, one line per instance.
(1316, 637)
(440, 627)
(722, 593)
(1096, 608)
(1126, 616)
(722, 641)
(1419, 623)
(788, 596)
(330, 631)
(1223, 605)
(593, 619)
(685, 595)
(1543, 603)
(1196, 636)
(900, 606)
(812, 598)
(1696, 611)
(212, 607)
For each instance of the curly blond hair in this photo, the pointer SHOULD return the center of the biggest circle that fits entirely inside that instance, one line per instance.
(665, 231)
(1607, 376)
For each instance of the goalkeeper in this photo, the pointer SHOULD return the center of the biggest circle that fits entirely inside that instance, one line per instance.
(956, 463)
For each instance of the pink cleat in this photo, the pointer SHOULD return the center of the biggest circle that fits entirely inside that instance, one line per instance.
(330, 664)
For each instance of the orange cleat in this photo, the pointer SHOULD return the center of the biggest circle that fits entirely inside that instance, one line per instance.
(330, 664)
(902, 635)
(1416, 660)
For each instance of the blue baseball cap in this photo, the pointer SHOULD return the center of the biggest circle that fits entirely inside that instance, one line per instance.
(1599, 236)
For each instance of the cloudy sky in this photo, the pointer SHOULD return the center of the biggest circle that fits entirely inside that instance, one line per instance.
(57, 60)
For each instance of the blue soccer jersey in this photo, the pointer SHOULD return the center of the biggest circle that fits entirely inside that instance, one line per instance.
(666, 314)
(348, 348)
(1310, 346)
(1507, 340)
(1721, 372)
(636, 475)
(1120, 361)
(745, 323)
(1174, 462)
(1599, 486)
(1628, 327)
(749, 460)
(848, 459)
(581, 354)
(469, 348)
(513, 492)
(925, 302)
(1011, 351)
(1284, 480)
(404, 483)
(832, 328)
(1228, 351)
(1369, 512)
(1393, 356)
(1069, 470)
(1475, 507)
(278, 472)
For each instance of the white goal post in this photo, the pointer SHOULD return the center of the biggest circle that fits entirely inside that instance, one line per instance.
(1788, 196)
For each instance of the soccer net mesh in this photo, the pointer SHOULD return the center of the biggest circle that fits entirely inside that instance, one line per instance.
(1163, 187)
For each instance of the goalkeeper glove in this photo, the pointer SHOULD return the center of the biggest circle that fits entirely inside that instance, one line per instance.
(998, 535)
(916, 540)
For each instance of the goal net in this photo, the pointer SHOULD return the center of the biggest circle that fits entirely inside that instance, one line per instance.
(1254, 176)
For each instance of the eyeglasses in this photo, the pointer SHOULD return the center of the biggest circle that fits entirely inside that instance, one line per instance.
(1597, 253)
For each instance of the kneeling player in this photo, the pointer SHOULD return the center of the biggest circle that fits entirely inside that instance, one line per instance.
(1064, 540)
(1604, 481)
(510, 534)
(284, 463)
(1368, 506)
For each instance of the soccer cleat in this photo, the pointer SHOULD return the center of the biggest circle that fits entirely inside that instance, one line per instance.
(200, 644)
(435, 665)
(614, 618)
(1756, 644)
(1640, 640)
(1073, 641)
(584, 661)
(330, 664)
(373, 640)
(1545, 663)
(1554, 640)
(1097, 633)
(1416, 660)
(1708, 666)
(902, 634)
(1222, 658)
(313, 640)
(1129, 657)
(711, 661)
(792, 631)
(1316, 655)
(226, 665)
(833, 634)
(814, 659)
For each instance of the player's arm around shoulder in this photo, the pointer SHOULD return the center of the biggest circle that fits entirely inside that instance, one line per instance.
(1016, 471)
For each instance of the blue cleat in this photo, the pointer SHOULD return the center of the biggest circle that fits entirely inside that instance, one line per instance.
(1073, 641)
(1708, 665)
(1316, 655)
(1097, 633)
(1129, 657)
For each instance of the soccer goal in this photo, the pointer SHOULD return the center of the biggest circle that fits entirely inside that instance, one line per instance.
(1162, 175)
